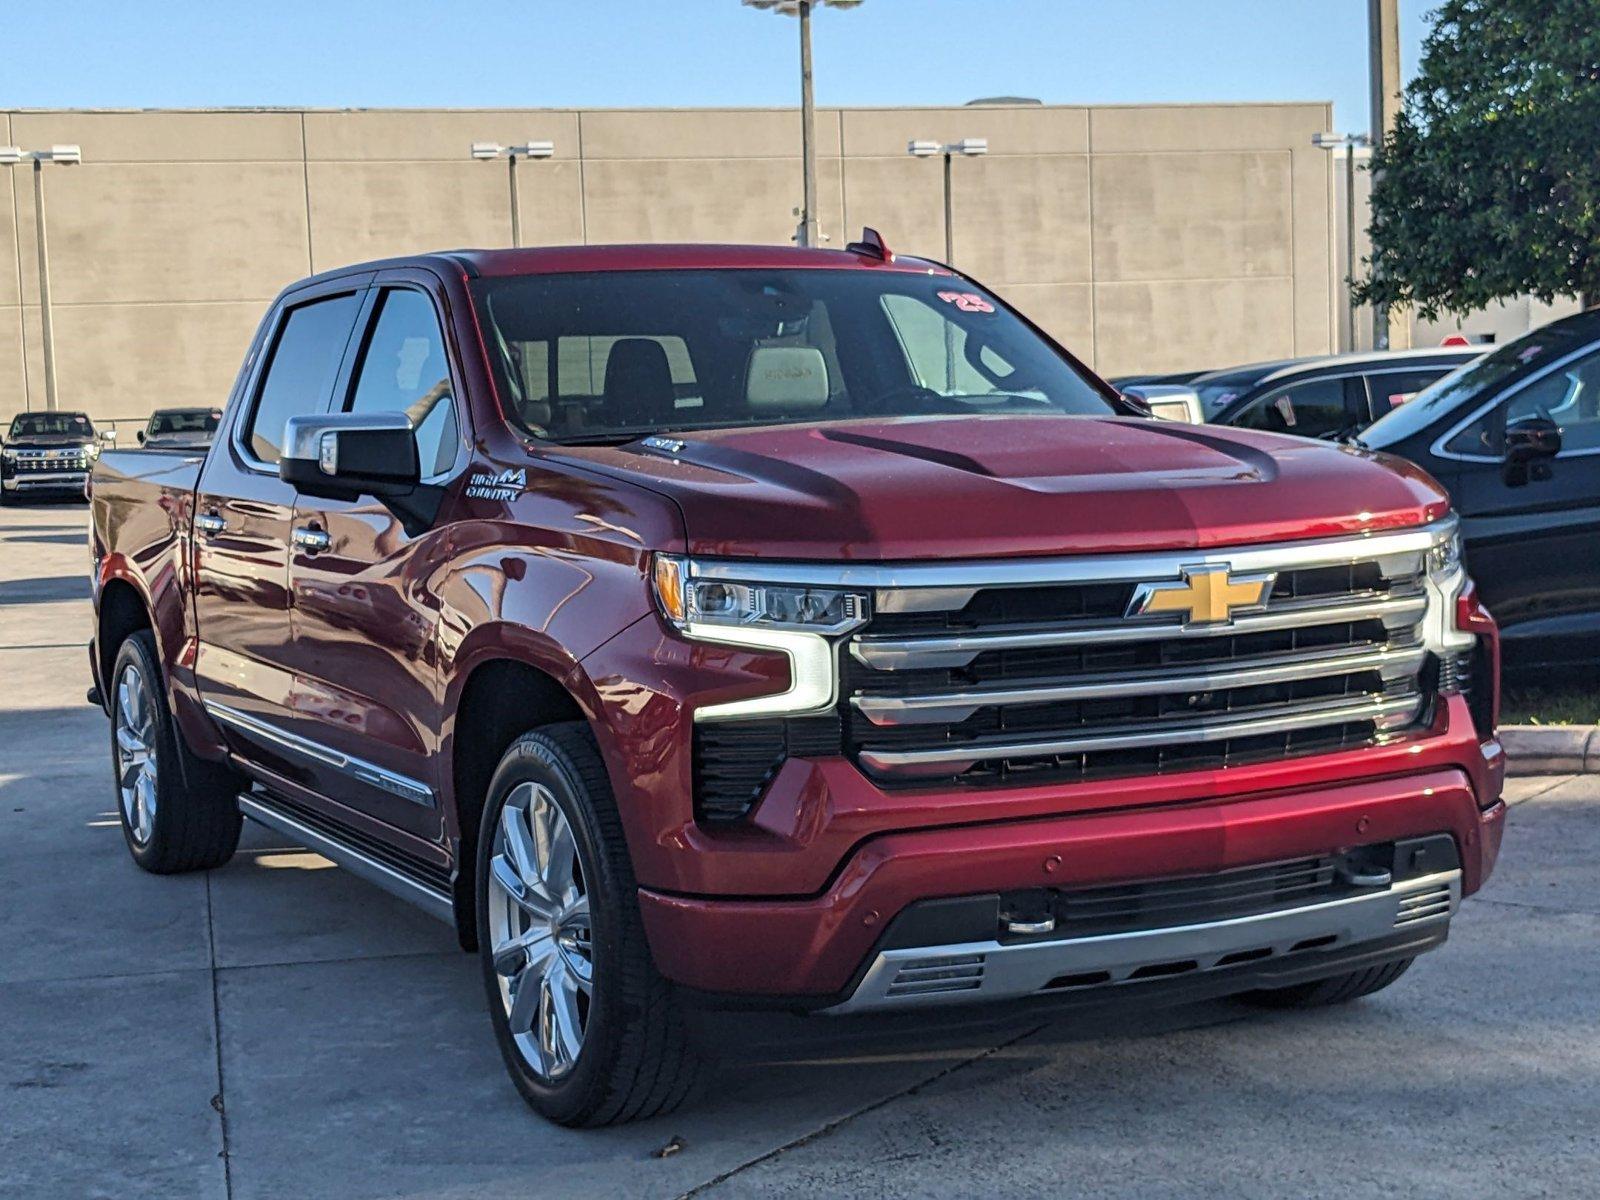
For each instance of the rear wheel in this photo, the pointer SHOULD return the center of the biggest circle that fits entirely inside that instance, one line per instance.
(590, 1032)
(178, 812)
(1336, 989)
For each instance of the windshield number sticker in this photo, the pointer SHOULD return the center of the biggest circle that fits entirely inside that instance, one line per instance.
(967, 301)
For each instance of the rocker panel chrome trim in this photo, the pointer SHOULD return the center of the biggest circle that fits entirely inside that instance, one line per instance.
(357, 768)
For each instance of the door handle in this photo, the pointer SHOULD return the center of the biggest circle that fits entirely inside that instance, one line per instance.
(312, 540)
(210, 523)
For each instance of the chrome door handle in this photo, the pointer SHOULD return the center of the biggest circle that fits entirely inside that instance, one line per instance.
(312, 541)
(210, 524)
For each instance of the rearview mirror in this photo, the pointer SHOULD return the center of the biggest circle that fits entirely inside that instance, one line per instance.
(343, 456)
(1531, 442)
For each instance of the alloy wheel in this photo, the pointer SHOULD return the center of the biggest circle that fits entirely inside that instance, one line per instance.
(136, 753)
(541, 939)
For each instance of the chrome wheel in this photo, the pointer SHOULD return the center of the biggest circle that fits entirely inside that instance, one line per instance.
(136, 753)
(539, 929)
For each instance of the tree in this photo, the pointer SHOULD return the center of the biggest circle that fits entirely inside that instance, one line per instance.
(1489, 184)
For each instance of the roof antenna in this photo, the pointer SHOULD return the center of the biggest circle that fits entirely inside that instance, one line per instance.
(871, 245)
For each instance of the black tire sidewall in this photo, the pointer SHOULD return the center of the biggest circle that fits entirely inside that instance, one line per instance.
(534, 758)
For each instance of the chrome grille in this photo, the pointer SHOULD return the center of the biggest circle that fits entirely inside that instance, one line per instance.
(1032, 681)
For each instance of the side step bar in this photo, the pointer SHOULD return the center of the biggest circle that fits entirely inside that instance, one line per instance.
(431, 900)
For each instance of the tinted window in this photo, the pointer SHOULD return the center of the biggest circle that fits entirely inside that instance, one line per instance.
(404, 369)
(1388, 390)
(637, 352)
(178, 421)
(1315, 408)
(51, 424)
(301, 371)
(1570, 397)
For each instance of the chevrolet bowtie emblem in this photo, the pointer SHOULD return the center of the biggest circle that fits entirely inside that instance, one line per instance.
(1206, 596)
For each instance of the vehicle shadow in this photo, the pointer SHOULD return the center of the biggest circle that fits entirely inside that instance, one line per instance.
(44, 589)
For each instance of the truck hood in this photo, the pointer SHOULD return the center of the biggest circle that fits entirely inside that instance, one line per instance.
(1003, 486)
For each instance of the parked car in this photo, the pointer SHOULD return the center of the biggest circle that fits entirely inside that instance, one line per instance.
(1515, 438)
(47, 453)
(180, 428)
(707, 625)
(1323, 397)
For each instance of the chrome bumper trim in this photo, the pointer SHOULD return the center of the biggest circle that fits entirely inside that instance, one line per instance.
(952, 707)
(975, 972)
(887, 653)
(1390, 712)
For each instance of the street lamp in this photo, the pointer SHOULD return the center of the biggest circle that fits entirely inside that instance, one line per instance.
(488, 150)
(1348, 143)
(67, 155)
(966, 147)
(807, 234)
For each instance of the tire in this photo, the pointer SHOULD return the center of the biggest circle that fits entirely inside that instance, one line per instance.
(1336, 989)
(583, 1053)
(193, 823)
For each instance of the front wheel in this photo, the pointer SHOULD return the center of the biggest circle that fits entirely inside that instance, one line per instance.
(179, 812)
(590, 1032)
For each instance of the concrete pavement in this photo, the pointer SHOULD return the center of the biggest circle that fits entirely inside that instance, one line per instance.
(277, 1028)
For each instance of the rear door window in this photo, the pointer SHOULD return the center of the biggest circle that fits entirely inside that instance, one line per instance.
(1388, 390)
(301, 370)
(1315, 408)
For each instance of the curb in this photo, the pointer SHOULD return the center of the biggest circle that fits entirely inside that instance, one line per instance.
(1551, 749)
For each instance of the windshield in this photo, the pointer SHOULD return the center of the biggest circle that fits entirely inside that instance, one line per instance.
(1466, 384)
(612, 356)
(199, 421)
(48, 424)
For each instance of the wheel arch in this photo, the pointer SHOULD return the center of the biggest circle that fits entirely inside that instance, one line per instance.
(499, 698)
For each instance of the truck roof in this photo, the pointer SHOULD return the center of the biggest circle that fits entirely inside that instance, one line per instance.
(554, 260)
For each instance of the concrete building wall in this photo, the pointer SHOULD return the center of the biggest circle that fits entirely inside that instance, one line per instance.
(1146, 238)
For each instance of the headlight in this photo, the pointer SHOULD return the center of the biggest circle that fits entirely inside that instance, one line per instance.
(1446, 578)
(91, 451)
(8, 454)
(799, 621)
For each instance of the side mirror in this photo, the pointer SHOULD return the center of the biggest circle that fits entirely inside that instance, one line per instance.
(109, 437)
(1531, 443)
(139, 434)
(344, 456)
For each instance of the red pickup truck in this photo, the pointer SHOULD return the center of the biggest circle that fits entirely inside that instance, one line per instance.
(696, 625)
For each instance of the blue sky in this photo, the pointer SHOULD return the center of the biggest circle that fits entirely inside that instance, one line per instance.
(624, 53)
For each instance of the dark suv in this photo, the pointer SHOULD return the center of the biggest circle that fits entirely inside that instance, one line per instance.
(1516, 440)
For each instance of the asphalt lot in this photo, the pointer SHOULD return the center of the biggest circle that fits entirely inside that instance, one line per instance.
(277, 1028)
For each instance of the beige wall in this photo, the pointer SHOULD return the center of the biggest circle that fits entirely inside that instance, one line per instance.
(1146, 238)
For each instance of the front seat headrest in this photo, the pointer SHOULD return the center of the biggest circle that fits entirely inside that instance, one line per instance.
(638, 389)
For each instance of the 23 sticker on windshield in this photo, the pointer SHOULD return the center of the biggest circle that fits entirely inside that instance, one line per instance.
(967, 301)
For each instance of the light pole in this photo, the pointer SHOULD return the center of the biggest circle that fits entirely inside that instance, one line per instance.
(966, 147)
(67, 155)
(1348, 143)
(807, 234)
(488, 150)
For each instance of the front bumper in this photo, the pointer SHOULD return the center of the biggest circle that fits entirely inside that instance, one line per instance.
(974, 972)
(45, 481)
(821, 950)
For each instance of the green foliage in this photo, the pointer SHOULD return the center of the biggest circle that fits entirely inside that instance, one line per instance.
(1489, 184)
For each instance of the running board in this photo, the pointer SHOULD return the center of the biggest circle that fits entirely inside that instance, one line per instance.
(431, 900)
